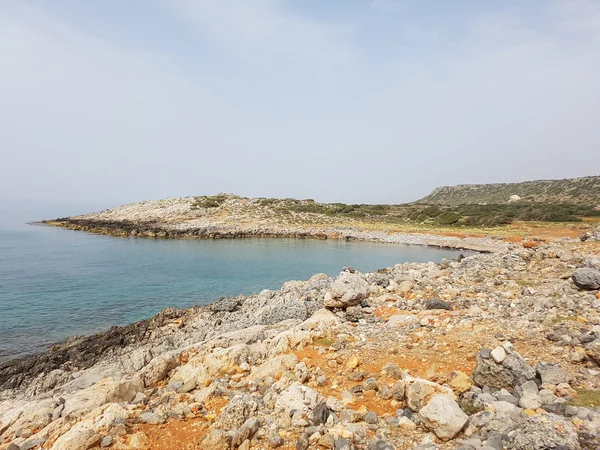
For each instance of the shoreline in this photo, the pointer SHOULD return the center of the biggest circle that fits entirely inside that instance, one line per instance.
(153, 230)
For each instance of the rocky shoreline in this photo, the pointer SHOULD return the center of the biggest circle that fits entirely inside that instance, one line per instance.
(498, 350)
(160, 230)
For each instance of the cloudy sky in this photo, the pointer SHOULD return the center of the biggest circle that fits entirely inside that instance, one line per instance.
(339, 100)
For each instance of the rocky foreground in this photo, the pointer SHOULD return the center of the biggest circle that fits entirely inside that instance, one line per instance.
(498, 350)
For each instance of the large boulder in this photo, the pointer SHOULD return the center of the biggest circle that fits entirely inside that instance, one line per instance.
(551, 373)
(587, 278)
(349, 289)
(512, 371)
(443, 416)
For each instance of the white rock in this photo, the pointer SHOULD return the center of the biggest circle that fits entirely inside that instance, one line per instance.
(498, 354)
(443, 416)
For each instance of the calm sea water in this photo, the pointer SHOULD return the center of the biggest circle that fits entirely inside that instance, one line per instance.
(56, 283)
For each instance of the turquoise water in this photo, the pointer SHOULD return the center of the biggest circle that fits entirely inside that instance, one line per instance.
(56, 283)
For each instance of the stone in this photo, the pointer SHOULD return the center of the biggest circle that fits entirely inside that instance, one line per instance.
(272, 366)
(592, 350)
(398, 390)
(392, 370)
(353, 362)
(420, 391)
(551, 373)
(435, 303)
(530, 398)
(354, 313)
(320, 414)
(302, 443)
(151, 418)
(512, 371)
(542, 432)
(236, 412)
(401, 320)
(32, 442)
(327, 441)
(106, 441)
(460, 382)
(216, 440)
(498, 354)
(275, 440)
(245, 432)
(380, 444)
(371, 417)
(587, 278)
(443, 416)
(348, 289)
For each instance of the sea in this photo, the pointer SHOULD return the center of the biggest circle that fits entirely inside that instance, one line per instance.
(57, 283)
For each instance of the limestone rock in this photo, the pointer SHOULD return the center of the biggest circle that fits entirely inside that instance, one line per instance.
(512, 371)
(587, 278)
(347, 290)
(443, 416)
(551, 373)
(543, 432)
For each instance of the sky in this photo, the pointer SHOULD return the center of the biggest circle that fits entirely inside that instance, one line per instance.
(356, 101)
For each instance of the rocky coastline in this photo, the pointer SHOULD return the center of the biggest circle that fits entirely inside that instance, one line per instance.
(162, 230)
(498, 350)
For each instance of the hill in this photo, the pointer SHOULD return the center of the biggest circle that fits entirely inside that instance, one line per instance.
(580, 191)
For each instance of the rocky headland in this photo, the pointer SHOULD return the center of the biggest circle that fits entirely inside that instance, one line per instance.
(228, 216)
(497, 350)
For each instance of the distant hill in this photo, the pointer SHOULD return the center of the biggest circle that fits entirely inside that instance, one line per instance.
(581, 191)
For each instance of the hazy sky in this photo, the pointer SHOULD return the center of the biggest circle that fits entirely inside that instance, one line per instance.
(339, 100)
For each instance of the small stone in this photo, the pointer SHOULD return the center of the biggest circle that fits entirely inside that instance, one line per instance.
(498, 354)
(327, 441)
(106, 441)
(302, 443)
(460, 382)
(353, 362)
(370, 384)
(274, 440)
(371, 417)
(151, 418)
(322, 380)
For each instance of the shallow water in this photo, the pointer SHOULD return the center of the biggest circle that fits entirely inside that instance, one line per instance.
(56, 283)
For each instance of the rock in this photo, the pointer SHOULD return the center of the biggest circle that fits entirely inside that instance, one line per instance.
(274, 440)
(380, 445)
(342, 444)
(543, 432)
(320, 414)
(443, 416)
(498, 354)
(551, 373)
(398, 390)
(530, 398)
(302, 443)
(511, 372)
(216, 440)
(587, 278)
(245, 432)
(435, 303)
(371, 417)
(348, 289)
(327, 441)
(106, 441)
(592, 350)
(354, 313)
(32, 442)
(105, 391)
(272, 366)
(460, 382)
(392, 370)
(420, 391)
(151, 418)
(236, 412)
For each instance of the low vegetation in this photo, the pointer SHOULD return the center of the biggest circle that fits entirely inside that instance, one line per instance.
(582, 191)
